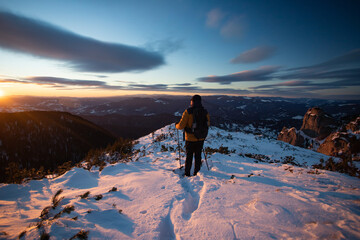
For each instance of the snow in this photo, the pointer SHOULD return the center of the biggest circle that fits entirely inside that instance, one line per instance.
(177, 114)
(239, 198)
(347, 104)
(241, 107)
(298, 117)
(161, 101)
(140, 109)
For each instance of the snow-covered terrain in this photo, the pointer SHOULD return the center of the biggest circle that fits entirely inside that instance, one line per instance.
(249, 193)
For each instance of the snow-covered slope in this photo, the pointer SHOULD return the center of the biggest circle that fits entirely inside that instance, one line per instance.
(248, 194)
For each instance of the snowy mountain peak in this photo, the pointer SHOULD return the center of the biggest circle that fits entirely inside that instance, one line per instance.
(256, 188)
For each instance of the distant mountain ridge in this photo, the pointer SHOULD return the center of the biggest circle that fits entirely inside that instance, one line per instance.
(143, 115)
(47, 139)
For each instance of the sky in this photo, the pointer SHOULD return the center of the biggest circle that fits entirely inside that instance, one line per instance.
(95, 48)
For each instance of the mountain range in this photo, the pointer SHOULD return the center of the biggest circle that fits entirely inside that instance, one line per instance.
(136, 116)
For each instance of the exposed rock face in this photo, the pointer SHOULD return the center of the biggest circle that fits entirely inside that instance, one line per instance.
(341, 144)
(317, 124)
(354, 126)
(291, 136)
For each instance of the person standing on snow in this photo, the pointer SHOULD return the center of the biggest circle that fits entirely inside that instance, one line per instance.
(195, 121)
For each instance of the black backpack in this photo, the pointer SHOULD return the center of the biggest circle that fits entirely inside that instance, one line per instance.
(200, 127)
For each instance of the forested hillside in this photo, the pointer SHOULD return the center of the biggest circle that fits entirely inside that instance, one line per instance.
(45, 140)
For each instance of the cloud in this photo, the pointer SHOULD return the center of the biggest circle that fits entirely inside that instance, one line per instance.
(13, 81)
(230, 26)
(70, 84)
(196, 89)
(310, 85)
(183, 84)
(82, 53)
(148, 87)
(165, 46)
(254, 55)
(64, 81)
(340, 74)
(289, 92)
(316, 74)
(264, 73)
(214, 18)
(349, 59)
(234, 27)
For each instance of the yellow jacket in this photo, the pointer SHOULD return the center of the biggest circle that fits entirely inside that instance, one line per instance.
(186, 122)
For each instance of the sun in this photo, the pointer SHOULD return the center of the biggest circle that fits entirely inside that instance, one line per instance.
(2, 93)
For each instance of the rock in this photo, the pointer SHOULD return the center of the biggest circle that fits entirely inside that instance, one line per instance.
(317, 124)
(354, 126)
(318, 133)
(341, 144)
(291, 136)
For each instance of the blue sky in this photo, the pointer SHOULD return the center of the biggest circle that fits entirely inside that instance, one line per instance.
(253, 48)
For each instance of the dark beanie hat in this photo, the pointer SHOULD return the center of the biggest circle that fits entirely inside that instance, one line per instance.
(196, 99)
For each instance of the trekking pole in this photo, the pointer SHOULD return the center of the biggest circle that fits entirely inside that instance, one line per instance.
(206, 159)
(179, 147)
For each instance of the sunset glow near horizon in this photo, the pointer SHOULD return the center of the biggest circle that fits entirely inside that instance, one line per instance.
(94, 48)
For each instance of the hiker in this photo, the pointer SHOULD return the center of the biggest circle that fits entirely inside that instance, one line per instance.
(195, 121)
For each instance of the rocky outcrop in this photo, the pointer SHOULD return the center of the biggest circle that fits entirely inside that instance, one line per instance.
(291, 136)
(341, 144)
(319, 132)
(317, 124)
(354, 126)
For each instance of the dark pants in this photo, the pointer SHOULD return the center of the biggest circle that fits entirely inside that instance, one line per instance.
(193, 148)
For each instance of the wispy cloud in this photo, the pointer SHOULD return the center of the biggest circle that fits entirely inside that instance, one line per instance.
(165, 46)
(254, 55)
(340, 71)
(13, 81)
(310, 85)
(82, 53)
(348, 60)
(229, 25)
(264, 73)
(64, 81)
(234, 27)
(214, 18)
(197, 89)
(341, 74)
(147, 87)
(72, 84)
(313, 74)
